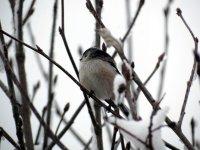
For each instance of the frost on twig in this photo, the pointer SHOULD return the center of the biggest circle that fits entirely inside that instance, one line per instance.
(137, 132)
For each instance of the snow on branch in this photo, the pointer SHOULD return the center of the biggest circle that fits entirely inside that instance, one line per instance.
(137, 132)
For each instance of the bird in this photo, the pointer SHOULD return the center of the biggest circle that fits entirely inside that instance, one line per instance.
(97, 71)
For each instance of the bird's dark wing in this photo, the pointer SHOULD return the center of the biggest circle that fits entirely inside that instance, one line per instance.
(114, 66)
(97, 53)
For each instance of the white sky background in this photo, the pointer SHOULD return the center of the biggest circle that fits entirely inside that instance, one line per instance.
(148, 44)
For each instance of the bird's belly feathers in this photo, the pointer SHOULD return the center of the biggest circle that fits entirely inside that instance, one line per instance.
(98, 78)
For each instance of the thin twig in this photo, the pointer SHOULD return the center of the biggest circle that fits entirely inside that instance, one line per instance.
(135, 78)
(149, 139)
(68, 51)
(20, 58)
(14, 102)
(93, 12)
(167, 120)
(9, 138)
(50, 82)
(73, 131)
(166, 35)
(26, 98)
(96, 107)
(141, 3)
(170, 146)
(50, 146)
(40, 126)
(193, 125)
(30, 11)
(122, 142)
(160, 59)
(41, 52)
(152, 102)
(113, 138)
(88, 144)
(130, 41)
(189, 83)
(77, 74)
(66, 108)
(63, 16)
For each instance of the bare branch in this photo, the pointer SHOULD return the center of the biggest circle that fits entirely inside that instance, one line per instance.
(189, 83)
(15, 105)
(40, 126)
(67, 126)
(141, 3)
(166, 35)
(94, 13)
(50, 77)
(20, 58)
(113, 138)
(160, 59)
(26, 98)
(63, 16)
(9, 138)
(73, 131)
(30, 11)
(193, 125)
(40, 51)
(170, 146)
(68, 51)
(66, 108)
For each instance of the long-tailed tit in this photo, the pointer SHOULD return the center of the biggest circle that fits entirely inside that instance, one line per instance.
(97, 71)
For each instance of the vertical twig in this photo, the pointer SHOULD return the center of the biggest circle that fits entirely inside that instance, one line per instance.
(130, 41)
(63, 15)
(20, 57)
(163, 71)
(113, 138)
(193, 124)
(189, 83)
(122, 142)
(97, 107)
(40, 127)
(14, 103)
(149, 139)
(50, 86)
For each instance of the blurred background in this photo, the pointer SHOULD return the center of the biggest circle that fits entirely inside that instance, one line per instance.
(148, 43)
